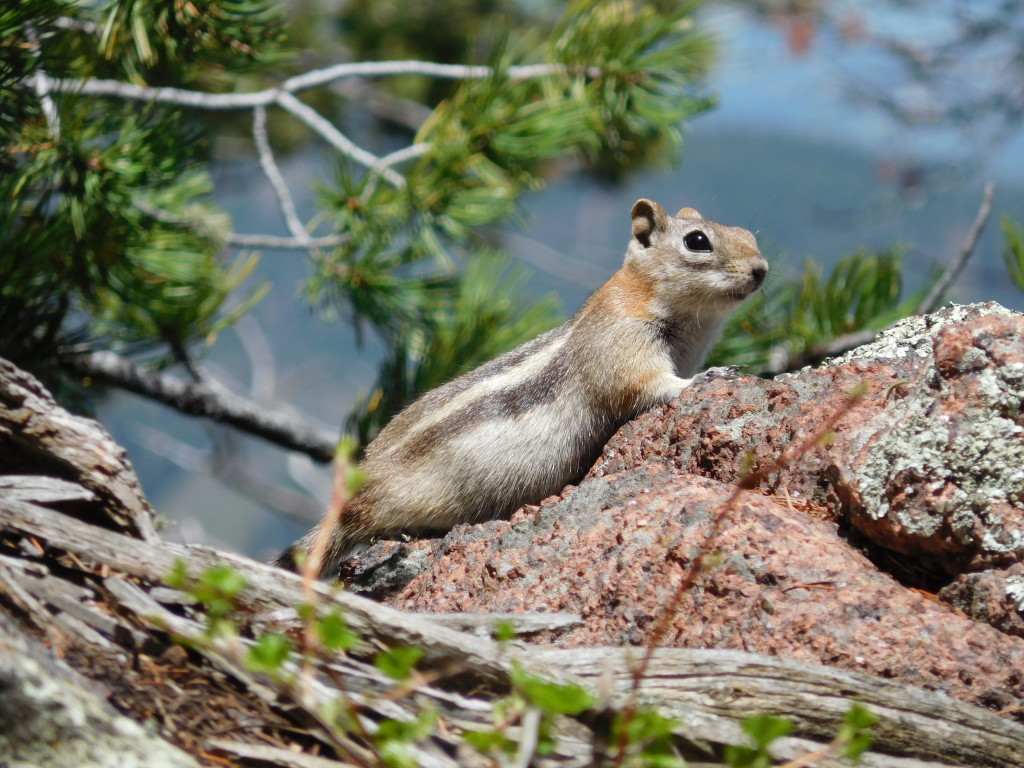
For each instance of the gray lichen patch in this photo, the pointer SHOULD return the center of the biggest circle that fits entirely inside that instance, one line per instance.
(945, 463)
(913, 335)
(915, 444)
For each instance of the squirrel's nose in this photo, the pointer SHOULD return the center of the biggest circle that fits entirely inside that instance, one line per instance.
(759, 273)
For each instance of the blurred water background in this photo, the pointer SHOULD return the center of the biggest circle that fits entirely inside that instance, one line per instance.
(806, 148)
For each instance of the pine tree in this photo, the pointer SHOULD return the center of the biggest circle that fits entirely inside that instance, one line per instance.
(110, 242)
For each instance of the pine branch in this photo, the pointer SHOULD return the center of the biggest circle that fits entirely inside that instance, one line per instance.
(199, 399)
(283, 95)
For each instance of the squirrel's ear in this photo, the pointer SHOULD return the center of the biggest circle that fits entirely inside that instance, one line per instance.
(648, 218)
(688, 213)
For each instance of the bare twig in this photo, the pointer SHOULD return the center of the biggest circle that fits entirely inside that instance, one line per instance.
(273, 174)
(819, 352)
(284, 243)
(411, 67)
(199, 399)
(407, 153)
(329, 133)
(956, 266)
(529, 730)
(241, 240)
(335, 512)
(263, 754)
(315, 78)
(804, 761)
(260, 353)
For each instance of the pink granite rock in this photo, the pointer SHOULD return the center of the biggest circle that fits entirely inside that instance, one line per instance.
(923, 484)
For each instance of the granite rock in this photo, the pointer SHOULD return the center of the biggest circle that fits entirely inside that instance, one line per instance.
(895, 548)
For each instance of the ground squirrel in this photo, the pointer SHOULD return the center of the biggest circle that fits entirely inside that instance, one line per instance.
(519, 428)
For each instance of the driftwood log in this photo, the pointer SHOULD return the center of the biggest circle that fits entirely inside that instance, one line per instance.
(83, 597)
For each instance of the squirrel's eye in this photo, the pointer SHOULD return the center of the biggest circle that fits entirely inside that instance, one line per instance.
(697, 241)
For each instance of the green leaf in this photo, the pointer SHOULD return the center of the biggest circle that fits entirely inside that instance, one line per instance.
(269, 653)
(335, 634)
(407, 730)
(355, 478)
(551, 698)
(306, 611)
(347, 449)
(649, 735)
(178, 577)
(393, 738)
(746, 757)
(222, 579)
(398, 662)
(489, 741)
(855, 734)
(764, 729)
(505, 631)
(646, 725)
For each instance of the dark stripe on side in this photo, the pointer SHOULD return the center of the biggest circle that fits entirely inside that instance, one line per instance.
(502, 404)
(500, 364)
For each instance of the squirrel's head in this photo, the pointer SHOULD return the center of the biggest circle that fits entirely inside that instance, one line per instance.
(693, 265)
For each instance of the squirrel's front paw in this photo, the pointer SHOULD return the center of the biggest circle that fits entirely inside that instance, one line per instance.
(727, 372)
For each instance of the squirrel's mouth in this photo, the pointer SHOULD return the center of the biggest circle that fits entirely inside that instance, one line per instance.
(740, 295)
(756, 281)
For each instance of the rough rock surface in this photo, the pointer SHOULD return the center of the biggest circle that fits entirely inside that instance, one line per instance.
(923, 485)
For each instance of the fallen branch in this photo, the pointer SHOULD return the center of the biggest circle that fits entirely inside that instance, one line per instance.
(198, 399)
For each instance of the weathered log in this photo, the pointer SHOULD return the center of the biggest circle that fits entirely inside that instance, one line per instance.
(39, 437)
(732, 684)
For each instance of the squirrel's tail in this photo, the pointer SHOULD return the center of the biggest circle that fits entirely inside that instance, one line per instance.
(339, 546)
(286, 559)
